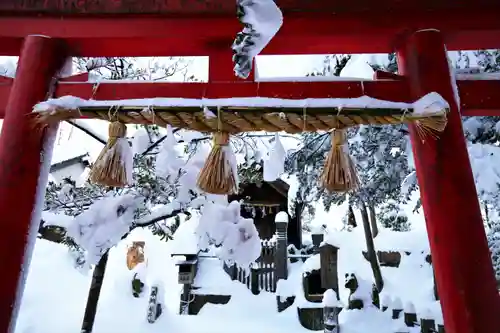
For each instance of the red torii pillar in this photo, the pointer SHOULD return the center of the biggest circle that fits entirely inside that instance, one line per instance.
(460, 254)
(20, 161)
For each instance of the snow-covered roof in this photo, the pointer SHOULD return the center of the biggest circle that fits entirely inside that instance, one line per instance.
(66, 152)
(83, 158)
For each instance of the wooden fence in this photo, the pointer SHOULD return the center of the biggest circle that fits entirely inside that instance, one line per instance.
(261, 276)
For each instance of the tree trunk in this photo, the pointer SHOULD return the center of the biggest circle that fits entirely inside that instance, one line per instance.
(370, 249)
(373, 220)
(351, 218)
(486, 215)
(94, 292)
(295, 236)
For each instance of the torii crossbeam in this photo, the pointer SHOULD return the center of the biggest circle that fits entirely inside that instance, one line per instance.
(44, 33)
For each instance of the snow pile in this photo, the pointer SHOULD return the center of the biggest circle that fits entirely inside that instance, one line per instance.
(103, 225)
(274, 165)
(221, 225)
(261, 19)
(52, 273)
(211, 278)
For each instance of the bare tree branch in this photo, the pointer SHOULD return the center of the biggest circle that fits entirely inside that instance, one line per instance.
(161, 218)
(87, 131)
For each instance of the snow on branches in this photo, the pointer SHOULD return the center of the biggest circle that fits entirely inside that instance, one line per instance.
(237, 238)
(103, 224)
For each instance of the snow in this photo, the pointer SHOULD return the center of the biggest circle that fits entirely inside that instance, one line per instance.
(397, 304)
(330, 299)
(66, 151)
(315, 78)
(358, 66)
(425, 105)
(429, 104)
(140, 142)
(221, 224)
(160, 211)
(409, 307)
(185, 240)
(274, 165)
(168, 163)
(281, 217)
(54, 219)
(413, 269)
(52, 269)
(45, 158)
(385, 300)
(211, 278)
(262, 19)
(127, 158)
(285, 289)
(485, 165)
(231, 165)
(103, 225)
(118, 310)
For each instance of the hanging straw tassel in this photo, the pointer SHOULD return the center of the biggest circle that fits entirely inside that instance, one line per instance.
(339, 173)
(113, 167)
(431, 127)
(219, 174)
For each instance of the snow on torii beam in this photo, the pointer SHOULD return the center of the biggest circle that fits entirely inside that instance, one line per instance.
(196, 27)
(477, 97)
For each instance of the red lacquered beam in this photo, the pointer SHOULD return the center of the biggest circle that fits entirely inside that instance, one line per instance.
(478, 97)
(327, 32)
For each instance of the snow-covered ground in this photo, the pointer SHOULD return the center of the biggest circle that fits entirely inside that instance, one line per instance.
(55, 295)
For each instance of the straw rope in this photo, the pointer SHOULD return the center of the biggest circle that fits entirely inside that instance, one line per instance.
(242, 119)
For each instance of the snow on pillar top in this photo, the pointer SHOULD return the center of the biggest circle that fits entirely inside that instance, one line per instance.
(281, 217)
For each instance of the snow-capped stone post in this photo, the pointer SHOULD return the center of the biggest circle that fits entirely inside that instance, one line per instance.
(331, 310)
(397, 308)
(285, 296)
(21, 178)
(427, 323)
(281, 256)
(410, 315)
(464, 274)
(385, 302)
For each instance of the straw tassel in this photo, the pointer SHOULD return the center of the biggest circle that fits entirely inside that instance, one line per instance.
(113, 167)
(339, 173)
(218, 175)
(431, 127)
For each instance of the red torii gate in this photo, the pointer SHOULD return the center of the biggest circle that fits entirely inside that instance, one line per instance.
(44, 33)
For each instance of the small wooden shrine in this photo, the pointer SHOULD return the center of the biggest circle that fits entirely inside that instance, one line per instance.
(262, 201)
